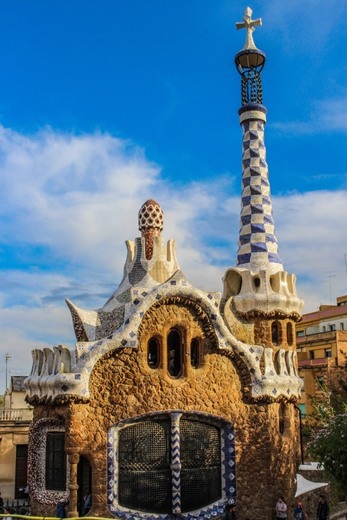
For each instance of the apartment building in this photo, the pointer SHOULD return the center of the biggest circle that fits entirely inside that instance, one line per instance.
(321, 339)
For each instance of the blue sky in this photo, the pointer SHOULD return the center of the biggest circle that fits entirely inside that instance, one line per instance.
(106, 103)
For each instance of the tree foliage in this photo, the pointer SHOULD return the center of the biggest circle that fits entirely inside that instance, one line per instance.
(329, 446)
(328, 426)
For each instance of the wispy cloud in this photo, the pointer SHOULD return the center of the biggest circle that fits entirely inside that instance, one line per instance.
(327, 115)
(69, 202)
(304, 25)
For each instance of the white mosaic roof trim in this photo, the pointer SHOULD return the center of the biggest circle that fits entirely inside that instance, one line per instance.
(269, 382)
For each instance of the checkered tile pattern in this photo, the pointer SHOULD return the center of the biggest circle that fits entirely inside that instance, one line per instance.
(257, 241)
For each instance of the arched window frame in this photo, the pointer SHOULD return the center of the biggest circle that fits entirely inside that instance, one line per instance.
(290, 333)
(276, 333)
(153, 352)
(195, 352)
(174, 352)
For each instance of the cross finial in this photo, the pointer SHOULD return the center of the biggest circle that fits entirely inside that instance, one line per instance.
(248, 24)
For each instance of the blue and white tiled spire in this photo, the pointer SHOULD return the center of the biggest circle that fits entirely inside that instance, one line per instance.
(258, 285)
(258, 247)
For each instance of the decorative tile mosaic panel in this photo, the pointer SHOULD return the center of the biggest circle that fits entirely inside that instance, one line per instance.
(227, 467)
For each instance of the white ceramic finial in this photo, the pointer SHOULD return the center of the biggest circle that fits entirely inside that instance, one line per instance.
(248, 24)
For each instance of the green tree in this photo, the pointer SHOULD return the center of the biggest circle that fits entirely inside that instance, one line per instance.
(329, 446)
(328, 426)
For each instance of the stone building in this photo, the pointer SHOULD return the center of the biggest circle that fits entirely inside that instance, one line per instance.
(176, 401)
(15, 419)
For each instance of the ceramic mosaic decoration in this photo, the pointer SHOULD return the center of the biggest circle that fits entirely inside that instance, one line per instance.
(168, 382)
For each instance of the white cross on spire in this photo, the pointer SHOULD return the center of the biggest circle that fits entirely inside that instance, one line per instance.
(248, 24)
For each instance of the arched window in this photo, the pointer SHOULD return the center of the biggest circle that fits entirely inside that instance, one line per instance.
(290, 333)
(174, 353)
(281, 419)
(194, 353)
(153, 353)
(275, 332)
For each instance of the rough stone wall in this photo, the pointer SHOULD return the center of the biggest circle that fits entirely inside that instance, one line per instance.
(262, 332)
(122, 385)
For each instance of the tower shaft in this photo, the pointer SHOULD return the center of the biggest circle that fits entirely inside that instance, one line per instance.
(258, 246)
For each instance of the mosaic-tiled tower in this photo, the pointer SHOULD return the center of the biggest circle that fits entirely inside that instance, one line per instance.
(258, 283)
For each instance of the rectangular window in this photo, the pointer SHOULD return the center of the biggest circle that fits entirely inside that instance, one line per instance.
(320, 381)
(328, 352)
(300, 333)
(302, 407)
(311, 354)
(332, 327)
(342, 327)
(55, 461)
(21, 470)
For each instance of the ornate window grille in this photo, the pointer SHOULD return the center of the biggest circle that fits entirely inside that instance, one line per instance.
(171, 463)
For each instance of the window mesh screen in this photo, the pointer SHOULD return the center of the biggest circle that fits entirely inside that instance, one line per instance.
(144, 456)
(55, 461)
(201, 464)
(144, 466)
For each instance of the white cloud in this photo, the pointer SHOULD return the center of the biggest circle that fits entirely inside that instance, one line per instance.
(69, 203)
(313, 243)
(304, 25)
(328, 115)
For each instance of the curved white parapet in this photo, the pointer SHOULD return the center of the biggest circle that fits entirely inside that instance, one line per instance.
(272, 374)
(263, 292)
(55, 376)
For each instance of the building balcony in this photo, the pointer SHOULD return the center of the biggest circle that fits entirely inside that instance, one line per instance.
(318, 362)
(318, 337)
(15, 414)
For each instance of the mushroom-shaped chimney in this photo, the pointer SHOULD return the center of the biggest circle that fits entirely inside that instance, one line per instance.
(150, 224)
(250, 62)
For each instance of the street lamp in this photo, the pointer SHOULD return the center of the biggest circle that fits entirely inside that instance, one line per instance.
(7, 357)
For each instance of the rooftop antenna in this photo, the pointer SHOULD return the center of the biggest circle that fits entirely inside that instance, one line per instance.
(7, 358)
(330, 291)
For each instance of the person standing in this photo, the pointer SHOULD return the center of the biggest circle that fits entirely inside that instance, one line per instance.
(281, 508)
(299, 512)
(61, 509)
(87, 503)
(323, 508)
